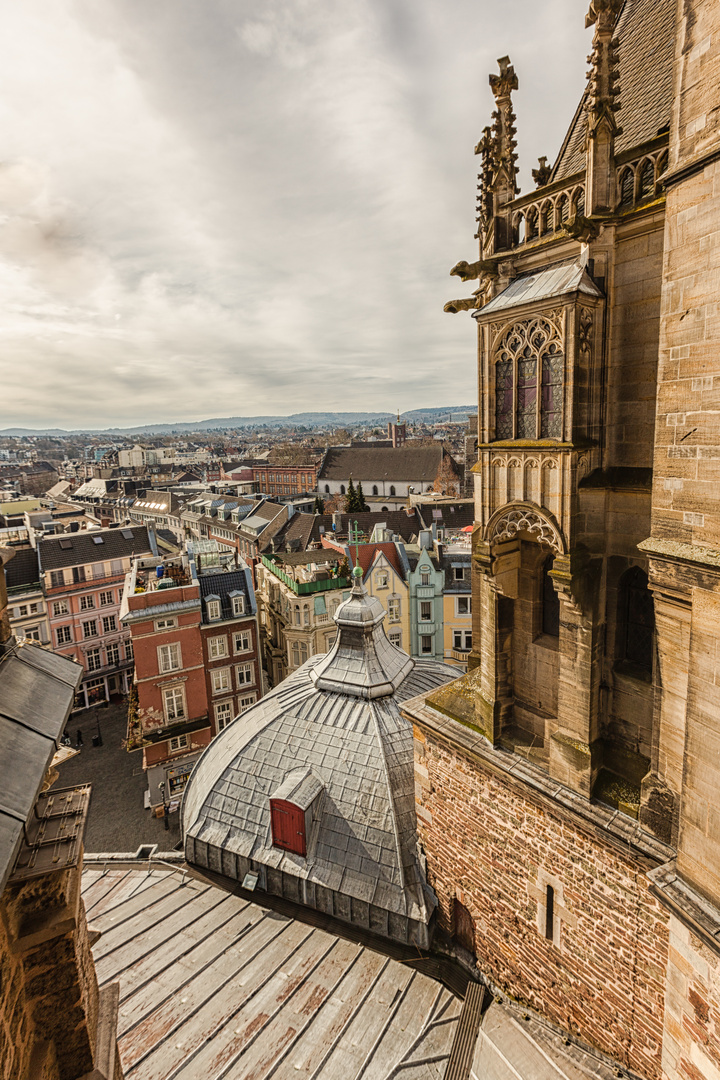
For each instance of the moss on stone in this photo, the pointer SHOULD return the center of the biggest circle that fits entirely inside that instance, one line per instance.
(615, 790)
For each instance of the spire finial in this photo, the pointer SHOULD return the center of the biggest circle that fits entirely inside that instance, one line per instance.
(601, 105)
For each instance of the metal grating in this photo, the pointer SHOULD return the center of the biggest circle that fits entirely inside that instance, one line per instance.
(54, 834)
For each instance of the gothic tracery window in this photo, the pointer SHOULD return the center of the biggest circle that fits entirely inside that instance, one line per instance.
(529, 373)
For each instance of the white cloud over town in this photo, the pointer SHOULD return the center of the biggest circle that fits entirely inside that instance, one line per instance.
(214, 208)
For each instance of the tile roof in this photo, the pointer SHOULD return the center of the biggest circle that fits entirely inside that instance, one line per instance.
(77, 548)
(645, 32)
(542, 285)
(405, 463)
(367, 553)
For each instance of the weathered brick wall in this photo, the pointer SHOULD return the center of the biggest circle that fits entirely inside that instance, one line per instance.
(691, 1047)
(496, 850)
(48, 985)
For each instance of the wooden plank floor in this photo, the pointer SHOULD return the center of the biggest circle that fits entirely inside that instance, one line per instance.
(212, 986)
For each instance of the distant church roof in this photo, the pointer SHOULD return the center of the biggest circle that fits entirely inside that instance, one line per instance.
(330, 740)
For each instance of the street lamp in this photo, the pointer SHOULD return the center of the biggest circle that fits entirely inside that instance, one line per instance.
(166, 808)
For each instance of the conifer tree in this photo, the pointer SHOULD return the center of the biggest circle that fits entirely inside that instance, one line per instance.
(319, 507)
(362, 507)
(351, 499)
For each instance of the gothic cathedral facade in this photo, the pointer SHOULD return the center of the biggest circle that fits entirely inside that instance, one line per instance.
(568, 785)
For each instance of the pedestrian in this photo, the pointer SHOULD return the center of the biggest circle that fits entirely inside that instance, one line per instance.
(79, 739)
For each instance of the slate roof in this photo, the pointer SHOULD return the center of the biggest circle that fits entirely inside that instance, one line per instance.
(23, 569)
(542, 285)
(220, 585)
(645, 32)
(37, 692)
(448, 515)
(337, 716)
(405, 463)
(77, 548)
(306, 528)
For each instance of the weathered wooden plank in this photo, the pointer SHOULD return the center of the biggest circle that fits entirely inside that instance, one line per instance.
(357, 1040)
(132, 884)
(103, 886)
(255, 1058)
(206, 1003)
(144, 968)
(209, 1058)
(319, 1039)
(126, 928)
(408, 1018)
(172, 978)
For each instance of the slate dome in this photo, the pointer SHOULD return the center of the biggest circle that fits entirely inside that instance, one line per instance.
(312, 791)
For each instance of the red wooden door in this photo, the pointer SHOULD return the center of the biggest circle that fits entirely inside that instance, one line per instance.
(288, 826)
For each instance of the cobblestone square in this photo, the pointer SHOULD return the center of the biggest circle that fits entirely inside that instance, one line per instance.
(117, 820)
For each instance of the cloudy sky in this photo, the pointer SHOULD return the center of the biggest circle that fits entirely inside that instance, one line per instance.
(217, 207)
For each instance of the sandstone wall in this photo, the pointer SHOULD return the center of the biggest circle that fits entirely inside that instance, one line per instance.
(496, 849)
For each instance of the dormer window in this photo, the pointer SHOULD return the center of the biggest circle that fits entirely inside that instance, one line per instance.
(529, 371)
(213, 608)
(238, 603)
(294, 808)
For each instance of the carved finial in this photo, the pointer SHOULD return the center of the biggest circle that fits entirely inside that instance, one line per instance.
(503, 134)
(601, 105)
(542, 174)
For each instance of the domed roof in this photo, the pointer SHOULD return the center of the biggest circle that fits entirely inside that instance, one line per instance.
(329, 743)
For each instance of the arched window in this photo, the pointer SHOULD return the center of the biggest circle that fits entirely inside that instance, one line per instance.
(647, 179)
(375, 489)
(548, 218)
(579, 202)
(563, 209)
(392, 490)
(306, 615)
(529, 382)
(627, 188)
(531, 224)
(342, 489)
(550, 602)
(297, 614)
(636, 621)
(520, 229)
(327, 489)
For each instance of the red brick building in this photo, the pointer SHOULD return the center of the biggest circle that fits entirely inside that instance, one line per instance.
(83, 574)
(194, 630)
(285, 479)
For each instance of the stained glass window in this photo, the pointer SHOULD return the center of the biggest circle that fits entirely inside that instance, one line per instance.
(529, 373)
(551, 402)
(504, 399)
(527, 397)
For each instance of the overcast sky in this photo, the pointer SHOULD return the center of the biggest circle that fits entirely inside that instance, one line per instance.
(217, 207)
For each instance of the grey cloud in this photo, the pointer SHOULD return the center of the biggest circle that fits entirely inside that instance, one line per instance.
(208, 201)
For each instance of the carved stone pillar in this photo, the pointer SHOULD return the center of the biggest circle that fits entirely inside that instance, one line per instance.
(574, 743)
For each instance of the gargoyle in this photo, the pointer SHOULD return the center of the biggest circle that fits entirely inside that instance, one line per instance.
(467, 271)
(453, 306)
(542, 174)
(581, 228)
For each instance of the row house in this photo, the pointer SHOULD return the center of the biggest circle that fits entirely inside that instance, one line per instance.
(83, 574)
(456, 561)
(27, 608)
(298, 595)
(285, 479)
(194, 627)
(386, 572)
(425, 597)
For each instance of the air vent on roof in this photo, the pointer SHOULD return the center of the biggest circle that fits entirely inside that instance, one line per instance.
(98, 540)
(128, 534)
(66, 544)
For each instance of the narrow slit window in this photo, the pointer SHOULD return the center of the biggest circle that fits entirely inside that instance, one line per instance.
(550, 913)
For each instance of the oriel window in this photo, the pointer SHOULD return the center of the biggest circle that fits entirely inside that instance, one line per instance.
(529, 373)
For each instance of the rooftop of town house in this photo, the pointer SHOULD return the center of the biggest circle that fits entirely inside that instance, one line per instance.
(93, 545)
(308, 571)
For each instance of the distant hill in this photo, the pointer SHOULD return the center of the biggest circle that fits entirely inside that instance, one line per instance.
(306, 419)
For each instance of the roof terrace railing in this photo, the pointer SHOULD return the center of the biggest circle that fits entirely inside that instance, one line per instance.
(304, 588)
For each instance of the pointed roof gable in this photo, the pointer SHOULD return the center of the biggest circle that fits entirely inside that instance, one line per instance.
(645, 33)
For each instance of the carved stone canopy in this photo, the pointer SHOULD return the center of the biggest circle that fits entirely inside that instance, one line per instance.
(508, 521)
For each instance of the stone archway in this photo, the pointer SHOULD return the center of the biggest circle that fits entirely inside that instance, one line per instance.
(518, 517)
